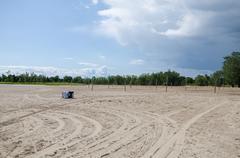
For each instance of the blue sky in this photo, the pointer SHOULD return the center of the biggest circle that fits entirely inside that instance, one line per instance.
(84, 37)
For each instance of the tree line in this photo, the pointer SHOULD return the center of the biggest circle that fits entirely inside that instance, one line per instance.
(230, 75)
(160, 78)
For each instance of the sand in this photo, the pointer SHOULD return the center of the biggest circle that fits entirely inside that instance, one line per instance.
(108, 122)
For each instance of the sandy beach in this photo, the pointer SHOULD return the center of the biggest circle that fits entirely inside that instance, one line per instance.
(107, 122)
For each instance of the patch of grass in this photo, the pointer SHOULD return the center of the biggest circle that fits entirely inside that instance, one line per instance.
(42, 83)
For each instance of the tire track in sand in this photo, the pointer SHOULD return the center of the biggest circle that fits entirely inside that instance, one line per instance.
(103, 142)
(46, 134)
(173, 147)
(123, 139)
(52, 150)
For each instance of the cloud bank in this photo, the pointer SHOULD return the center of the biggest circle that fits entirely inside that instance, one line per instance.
(188, 33)
(136, 62)
(53, 71)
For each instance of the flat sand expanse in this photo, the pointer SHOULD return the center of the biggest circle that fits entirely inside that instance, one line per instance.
(110, 123)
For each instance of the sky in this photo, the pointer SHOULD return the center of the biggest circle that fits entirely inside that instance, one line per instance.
(108, 37)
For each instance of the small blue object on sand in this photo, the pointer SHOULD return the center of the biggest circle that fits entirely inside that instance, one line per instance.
(68, 94)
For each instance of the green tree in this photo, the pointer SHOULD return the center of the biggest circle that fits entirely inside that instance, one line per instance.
(67, 79)
(143, 79)
(173, 78)
(231, 69)
(189, 80)
(201, 80)
(217, 78)
(77, 79)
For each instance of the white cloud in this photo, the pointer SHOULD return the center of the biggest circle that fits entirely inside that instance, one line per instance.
(53, 71)
(86, 64)
(174, 29)
(136, 62)
(95, 1)
(126, 18)
(68, 59)
(86, 6)
(89, 72)
(102, 57)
